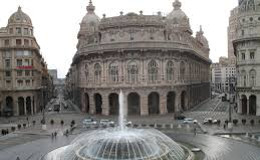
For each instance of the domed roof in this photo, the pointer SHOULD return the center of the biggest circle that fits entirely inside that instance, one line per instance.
(90, 17)
(19, 17)
(178, 18)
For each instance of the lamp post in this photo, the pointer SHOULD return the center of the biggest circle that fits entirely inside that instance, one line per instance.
(43, 108)
(232, 83)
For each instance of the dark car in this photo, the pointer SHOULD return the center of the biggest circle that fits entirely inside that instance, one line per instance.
(180, 117)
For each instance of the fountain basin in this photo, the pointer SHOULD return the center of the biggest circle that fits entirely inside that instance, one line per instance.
(117, 144)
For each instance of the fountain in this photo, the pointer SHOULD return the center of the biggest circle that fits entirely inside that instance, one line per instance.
(120, 143)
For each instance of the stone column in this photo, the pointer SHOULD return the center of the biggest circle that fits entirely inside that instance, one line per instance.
(32, 113)
(25, 109)
(177, 102)
(16, 108)
(83, 102)
(144, 104)
(239, 106)
(163, 104)
(92, 109)
(257, 105)
(105, 105)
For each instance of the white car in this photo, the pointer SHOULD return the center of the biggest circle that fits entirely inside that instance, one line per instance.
(49, 109)
(106, 122)
(89, 122)
(189, 121)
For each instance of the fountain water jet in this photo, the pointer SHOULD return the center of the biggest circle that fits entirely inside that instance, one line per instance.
(121, 119)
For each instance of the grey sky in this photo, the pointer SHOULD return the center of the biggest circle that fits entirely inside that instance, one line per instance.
(56, 22)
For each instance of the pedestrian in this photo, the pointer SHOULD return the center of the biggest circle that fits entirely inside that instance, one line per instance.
(17, 158)
(195, 131)
(52, 135)
(55, 134)
(224, 126)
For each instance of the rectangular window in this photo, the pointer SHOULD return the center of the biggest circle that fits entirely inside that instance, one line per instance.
(26, 62)
(26, 31)
(27, 73)
(18, 42)
(32, 73)
(11, 31)
(7, 42)
(20, 83)
(8, 83)
(26, 42)
(7, 63)
(27, 53)
(243, 55)
(18, 30)
(19, 62)
(19, 73)
(27, 82)
(252, 55)
(19, 53)
(7, 54)
(8, 73)
(31, 32)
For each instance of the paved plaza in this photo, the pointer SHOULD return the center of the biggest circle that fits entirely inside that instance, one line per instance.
(32, 142)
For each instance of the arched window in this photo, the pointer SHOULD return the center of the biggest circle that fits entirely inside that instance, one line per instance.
(182, 71)
(170, 71)
(132, 72)
(252, 75)
(97, 72)
(113, 72)
(152, 71)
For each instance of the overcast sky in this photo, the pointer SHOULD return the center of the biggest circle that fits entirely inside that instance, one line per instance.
(56, 22)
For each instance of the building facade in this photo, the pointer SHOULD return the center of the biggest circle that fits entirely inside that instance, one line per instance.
(247, 52)
(24, 80)
(221, 72)
(157, 63)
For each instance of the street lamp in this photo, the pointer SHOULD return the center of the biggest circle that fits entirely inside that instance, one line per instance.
(232, 85)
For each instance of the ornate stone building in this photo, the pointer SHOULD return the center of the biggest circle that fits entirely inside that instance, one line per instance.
(24, 79)
(247, 51)
(157, 63)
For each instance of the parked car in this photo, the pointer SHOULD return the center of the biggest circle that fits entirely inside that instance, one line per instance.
(215, 121)
(106, 122)
(180, 117)
(189, 121)
(207, 121)
(89, 122)
(49, 109)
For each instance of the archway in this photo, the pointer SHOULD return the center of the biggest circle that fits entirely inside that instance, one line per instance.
(252, 105)
(244, 104)
(87, 102)
(153, 103)
(113, 104)
(171, 102)
(9, 109)
(98, 103)
(21, 106)
(28, 105)
(133, 100)
(183, 101)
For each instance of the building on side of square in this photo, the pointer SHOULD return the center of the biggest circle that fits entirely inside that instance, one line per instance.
(157, 63)
(247, 52)
(24, 77)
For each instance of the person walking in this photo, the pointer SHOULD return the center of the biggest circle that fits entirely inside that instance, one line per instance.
(17, 158)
